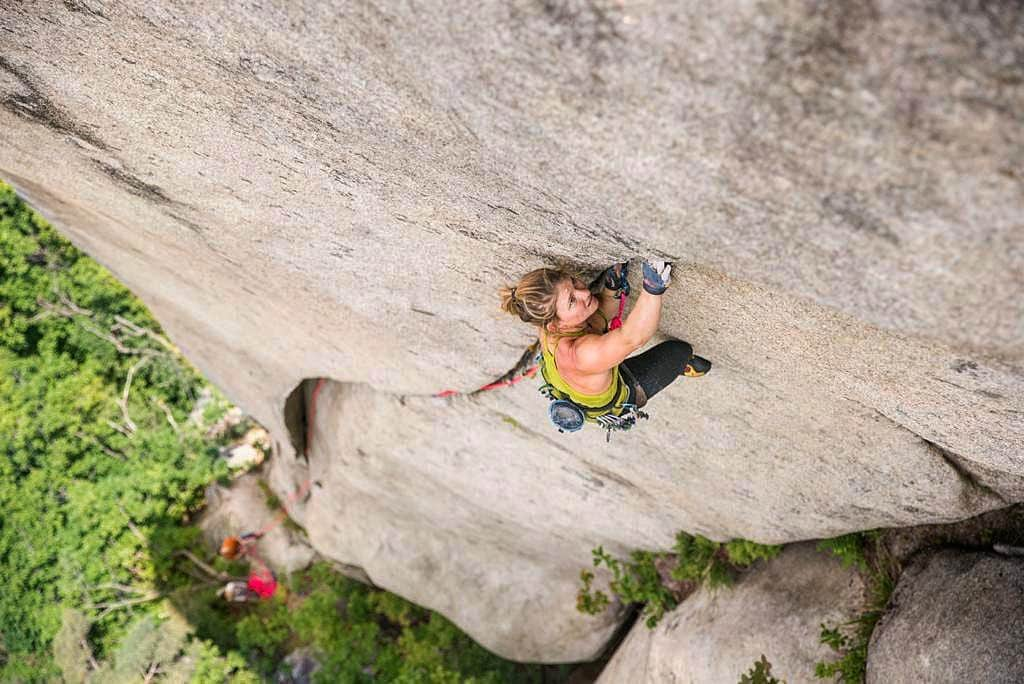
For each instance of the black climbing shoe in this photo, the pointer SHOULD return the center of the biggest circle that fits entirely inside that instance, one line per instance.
(696, 367)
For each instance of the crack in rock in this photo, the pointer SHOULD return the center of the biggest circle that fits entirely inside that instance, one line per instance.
(965, 475)
(954, 461)
(31, 104)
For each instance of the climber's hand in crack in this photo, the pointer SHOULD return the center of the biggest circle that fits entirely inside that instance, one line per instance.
(616, 279)
(609, 287)
(657, 276)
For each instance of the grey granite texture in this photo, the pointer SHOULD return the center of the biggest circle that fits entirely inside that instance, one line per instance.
(326, 189)
(775, 610)
(955, 617)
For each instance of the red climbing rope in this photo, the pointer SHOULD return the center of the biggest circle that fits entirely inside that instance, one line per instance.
(528, 373)
(504, 382)
(283, 513)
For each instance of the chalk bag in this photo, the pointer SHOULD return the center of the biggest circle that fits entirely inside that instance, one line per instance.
(566, 416)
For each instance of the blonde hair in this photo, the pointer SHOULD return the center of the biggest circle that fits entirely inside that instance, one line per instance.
(533, 297)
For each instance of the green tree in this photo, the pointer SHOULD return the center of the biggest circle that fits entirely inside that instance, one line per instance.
(96, 448)
(71, 650)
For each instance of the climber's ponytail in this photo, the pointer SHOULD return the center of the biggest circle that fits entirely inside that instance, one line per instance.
(533, 297)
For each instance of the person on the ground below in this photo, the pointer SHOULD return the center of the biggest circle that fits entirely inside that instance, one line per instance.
(584, 356)
(235, 547)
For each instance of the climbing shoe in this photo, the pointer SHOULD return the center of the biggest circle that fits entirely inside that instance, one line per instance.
(696, 367)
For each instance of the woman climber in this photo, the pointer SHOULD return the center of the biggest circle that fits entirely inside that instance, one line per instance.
(585, 346)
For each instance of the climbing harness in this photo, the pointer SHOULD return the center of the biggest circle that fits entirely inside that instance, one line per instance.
(568, 416)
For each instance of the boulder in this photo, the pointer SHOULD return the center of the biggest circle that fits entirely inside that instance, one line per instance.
(249, 451)
(337, 190)
(299, 667)
(776, 609)
(955, 617)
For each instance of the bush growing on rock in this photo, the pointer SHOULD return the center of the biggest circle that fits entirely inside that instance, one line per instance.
(760, 673)
(864, 551)
(660, 580)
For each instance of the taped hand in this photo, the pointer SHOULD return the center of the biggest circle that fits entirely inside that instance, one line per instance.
(657, 276)
(616, 278)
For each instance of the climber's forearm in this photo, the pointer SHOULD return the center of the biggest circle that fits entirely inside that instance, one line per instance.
(642, 322)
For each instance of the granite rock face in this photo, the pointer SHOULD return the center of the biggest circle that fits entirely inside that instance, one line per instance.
(338, 189)
(955, 617)
(775, 610)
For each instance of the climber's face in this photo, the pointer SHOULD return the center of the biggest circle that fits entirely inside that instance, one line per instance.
(574, 303)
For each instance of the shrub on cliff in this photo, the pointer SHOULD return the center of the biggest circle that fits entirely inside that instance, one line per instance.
(865, 552)
(659, 581)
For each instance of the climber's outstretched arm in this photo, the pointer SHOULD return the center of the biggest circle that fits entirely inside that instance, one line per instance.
(597, 353)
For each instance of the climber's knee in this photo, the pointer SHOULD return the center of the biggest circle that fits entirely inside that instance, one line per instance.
(678, 350)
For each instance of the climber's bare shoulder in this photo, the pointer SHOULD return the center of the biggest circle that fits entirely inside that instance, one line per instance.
(600, 353)
(582, 379)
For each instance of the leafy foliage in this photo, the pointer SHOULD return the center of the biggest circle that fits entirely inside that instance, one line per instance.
(864, 551)
(588, 600)
(362, 634)
(694, 559)
(96, 446)
(70, 644)
(850, 548)
(634, 581)
(760, 673)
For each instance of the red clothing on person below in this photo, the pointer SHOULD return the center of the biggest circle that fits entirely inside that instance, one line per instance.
(263, 586)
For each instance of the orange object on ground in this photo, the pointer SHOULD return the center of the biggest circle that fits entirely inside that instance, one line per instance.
(230, 548)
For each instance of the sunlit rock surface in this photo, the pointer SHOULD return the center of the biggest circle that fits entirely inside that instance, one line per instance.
(242, 507)
(338, 189)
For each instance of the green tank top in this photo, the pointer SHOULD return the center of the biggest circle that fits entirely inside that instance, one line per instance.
(608, 401)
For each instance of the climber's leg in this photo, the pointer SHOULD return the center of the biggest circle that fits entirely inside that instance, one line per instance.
(660, 365)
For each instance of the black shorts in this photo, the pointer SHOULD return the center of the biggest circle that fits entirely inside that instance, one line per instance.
(655, 369)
